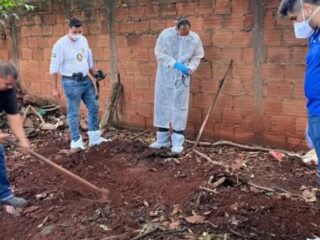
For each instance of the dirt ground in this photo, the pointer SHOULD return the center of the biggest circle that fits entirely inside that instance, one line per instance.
(153, 191)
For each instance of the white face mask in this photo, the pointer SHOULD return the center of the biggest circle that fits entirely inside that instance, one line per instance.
(303, 29)
(75, 37)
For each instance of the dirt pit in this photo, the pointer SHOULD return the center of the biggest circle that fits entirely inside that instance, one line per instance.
(160, 195)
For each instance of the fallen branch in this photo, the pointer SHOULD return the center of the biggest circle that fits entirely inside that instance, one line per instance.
(218, 183)
(247, 147)
(145, 234)
(207, 158)
(207, 189)
(261, 187)
(140, 134)
(236, 233)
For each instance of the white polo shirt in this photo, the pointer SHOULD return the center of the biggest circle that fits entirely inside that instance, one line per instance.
(69, 57)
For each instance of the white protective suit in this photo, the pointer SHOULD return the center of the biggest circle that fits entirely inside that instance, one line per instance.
(171, 93)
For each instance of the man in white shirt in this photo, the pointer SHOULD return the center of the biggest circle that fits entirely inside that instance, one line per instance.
(72, 59)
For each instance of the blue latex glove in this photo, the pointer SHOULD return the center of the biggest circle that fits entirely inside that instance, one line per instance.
(182, 68)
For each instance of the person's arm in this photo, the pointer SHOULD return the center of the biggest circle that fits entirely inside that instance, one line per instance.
(55, 66)
(16, 125)
(15, 119)
(197, 56)
(162, 54)
(92, 69)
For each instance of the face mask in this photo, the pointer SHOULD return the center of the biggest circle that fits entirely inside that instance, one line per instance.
(75, 37)
(303, 29)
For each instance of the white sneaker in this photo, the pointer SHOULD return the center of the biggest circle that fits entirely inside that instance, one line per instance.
(96, 139)
(310, 157)
(77, 144)
(177, 143)
(163, 140)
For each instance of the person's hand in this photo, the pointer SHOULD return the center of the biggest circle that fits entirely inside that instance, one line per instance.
(24, 145)
(56, 93)
(182, 68)
(3, 137)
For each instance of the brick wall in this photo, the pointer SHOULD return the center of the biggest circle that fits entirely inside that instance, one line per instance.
(262, 101)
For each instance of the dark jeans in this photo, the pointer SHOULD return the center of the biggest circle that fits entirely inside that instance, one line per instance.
(314, 133)
(5, 191)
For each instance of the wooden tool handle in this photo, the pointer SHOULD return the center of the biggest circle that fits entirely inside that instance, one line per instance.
(62, 170)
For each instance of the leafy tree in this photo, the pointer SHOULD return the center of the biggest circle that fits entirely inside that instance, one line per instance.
(12, 9)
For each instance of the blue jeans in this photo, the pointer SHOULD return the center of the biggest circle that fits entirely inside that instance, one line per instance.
(5, 191)
(314, 133)
(75, 91)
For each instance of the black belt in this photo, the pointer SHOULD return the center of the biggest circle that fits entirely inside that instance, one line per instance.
(75, 78)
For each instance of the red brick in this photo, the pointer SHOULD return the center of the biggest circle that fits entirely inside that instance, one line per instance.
(204, 70)
(35, 31)
(278, 89)
(293, 107)
(222, 38)
(141, 55)
(26, 31)
(59, 29)
(294, 72)
(299, 54)
(244, 135)
(204, 7)
(102, 41)
(185, 8)
(124, 54)
(248, 54)
(222, 6)
(283, 124)
(158, 24)
(244, 102)
(136, 11)
(273, 72)
(242, 39)
(272, 106)
(47, 30)
(141, 81)
(272, 37)
(300, 125)
(144, 109)
(289, 39)
(4, 54)
(32, 42)
(47, 53)
(149, 40)
(196, 23)
(240, 5)
(152, 10)
(134, 41)
(224, 133)
(26, 53)
(121, 13)
(137, 121)
(142, 25)
(37, 54)
(277, 54)
(212, 22)
(46, 88)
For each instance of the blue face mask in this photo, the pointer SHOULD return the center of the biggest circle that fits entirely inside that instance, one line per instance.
(303, 29)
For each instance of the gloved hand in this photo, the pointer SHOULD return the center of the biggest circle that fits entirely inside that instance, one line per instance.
(182, 68)
(100, 75)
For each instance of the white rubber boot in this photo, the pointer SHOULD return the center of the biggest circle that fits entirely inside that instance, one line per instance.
(96, 139)
(163, 140)
(77, 144)
(177, 143)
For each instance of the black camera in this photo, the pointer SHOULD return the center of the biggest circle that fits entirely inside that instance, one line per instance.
(100, 75)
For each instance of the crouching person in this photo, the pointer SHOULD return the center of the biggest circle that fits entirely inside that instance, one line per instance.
(8, 104)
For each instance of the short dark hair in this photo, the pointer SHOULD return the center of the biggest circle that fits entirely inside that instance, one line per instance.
(8, 69)
(291, 6)
(183, 22)
(75, 22)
